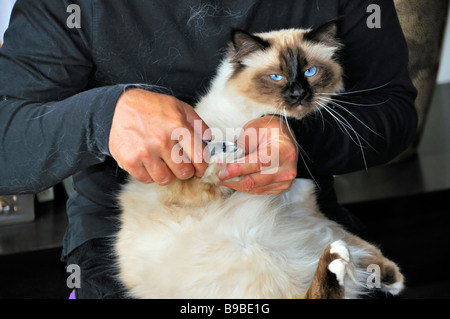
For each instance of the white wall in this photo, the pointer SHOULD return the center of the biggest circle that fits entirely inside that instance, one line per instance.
(444, 71)
(5, 11)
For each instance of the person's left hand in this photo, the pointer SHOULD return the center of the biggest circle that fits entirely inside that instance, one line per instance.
(270, 164)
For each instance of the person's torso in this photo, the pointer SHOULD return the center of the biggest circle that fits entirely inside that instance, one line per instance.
(177, 45)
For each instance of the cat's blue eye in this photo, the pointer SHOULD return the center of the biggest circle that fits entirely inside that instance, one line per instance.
(311, 71)
(276, 77)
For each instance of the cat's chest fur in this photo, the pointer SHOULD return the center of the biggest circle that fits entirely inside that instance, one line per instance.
(231, 247)
(223, 107)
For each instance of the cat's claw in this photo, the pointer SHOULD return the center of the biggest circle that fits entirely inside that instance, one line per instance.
(339, 265)
(394, 289)
(339, 247)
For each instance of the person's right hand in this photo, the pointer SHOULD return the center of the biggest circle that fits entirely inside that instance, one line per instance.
(141, 142)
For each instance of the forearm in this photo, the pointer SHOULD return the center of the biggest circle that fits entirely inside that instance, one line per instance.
(43, 143)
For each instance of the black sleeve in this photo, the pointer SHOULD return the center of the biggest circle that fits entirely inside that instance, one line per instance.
(49, 127)
(375, 119)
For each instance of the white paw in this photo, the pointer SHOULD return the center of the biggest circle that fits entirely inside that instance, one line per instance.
(339, 265)
(231, 156)
(210, 175)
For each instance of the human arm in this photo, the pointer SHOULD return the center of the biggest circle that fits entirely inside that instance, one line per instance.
(52, 122)
(49, 127)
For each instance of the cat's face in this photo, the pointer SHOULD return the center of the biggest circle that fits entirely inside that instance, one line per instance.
(288, 69)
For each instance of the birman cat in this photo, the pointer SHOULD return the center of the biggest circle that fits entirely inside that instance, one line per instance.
(197, 239)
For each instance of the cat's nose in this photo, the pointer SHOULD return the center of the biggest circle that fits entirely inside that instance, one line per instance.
(297, 95)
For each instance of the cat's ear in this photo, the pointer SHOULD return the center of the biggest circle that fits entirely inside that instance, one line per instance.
(326, 33)
(245, 43)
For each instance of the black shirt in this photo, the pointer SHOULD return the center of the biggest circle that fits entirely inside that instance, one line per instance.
(59, 87)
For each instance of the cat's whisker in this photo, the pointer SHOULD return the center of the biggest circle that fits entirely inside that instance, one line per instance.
(347, 124)
(282, 115)
(333, 102)
(302, 153)
(349, 92)
(359, 136)
(344, 123)
(340, 123)
(300, 149)
(319, 111)
(291, 133)
(355, 104)
(285, 118)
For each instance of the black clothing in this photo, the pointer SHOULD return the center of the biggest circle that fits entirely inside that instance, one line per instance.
(59, 87)
(97, 270)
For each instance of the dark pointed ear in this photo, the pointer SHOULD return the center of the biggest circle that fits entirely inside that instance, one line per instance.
(245, 43)
(326, 33)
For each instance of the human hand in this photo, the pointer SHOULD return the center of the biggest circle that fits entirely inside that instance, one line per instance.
(141, 137)
(270, 164)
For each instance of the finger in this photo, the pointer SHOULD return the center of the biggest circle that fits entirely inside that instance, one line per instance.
(194, 148)
(250, 164)
(136, 169)
(249, 182)
(272, 188)
(159, 171)
(178, 162)
(203, 131)
(141, 174)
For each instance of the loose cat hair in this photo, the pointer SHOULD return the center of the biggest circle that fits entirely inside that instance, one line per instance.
(197, 239)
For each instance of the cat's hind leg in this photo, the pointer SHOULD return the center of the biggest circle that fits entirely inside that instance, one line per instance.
(391, 278)
(328, 281)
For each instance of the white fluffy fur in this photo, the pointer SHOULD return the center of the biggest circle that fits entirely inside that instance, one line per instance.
(242, 246)
(223, 107)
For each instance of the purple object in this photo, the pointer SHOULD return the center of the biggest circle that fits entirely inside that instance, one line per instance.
(72, 295)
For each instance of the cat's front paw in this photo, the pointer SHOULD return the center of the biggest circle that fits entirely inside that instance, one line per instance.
(218, 161)
(211, 172)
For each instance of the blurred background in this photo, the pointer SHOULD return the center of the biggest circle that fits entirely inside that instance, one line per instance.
(403, 207)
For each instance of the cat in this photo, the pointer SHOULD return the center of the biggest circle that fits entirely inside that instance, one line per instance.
(196, 239)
